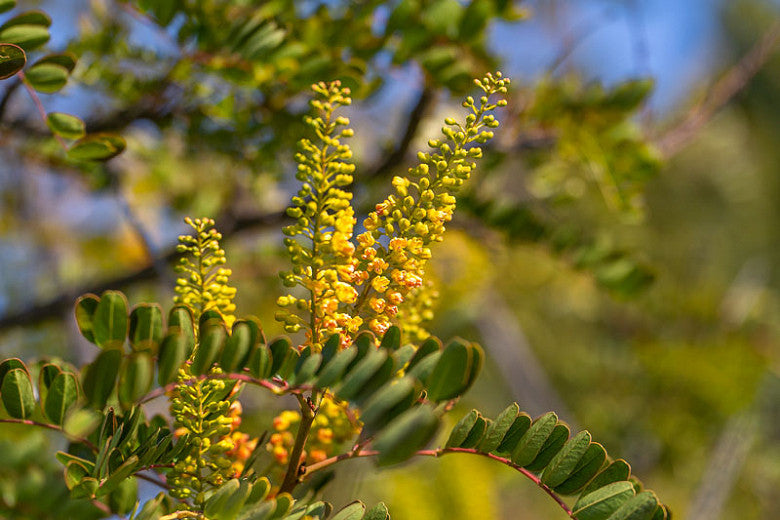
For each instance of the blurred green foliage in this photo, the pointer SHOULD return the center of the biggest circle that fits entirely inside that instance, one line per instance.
(646, 286)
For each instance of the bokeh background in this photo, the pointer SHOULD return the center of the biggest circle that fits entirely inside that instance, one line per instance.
(617, 254)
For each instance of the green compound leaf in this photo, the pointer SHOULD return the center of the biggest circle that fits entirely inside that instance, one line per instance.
(279, 349)
(61, 396)
(152, 510)
(329, 349)
(34, 17)
(74, 473)
(551, 447)
(392, 339)
(476, 433)
(462, 429)
(46, 376)
(406, 434)
(423, 370)
(519, 427)
(81, 423)
(12, 60)
(238, 348)
(363, 372)
(85, 312)
(100, 377)
(451, 374)
(586, 468)
(334, 370)
(305, 369)
(284, 503)
(207, 353)
(109, 322)
(499, 428)
(28, 37)
(180, 318)
(384, 405)
(65, 125)
(119, 475)
(428, 347)
(260, 362)
(17, 394)
(532, 442)
(146, 327)
(173, 353)
(64, 59)
(135, 379)
(353, 511)
(378, 512)
(9, 364)
(601, 503)
(47, 77)
(616, 471)
(639, 507)
(97, 147)
(228, 500)
(564, 462)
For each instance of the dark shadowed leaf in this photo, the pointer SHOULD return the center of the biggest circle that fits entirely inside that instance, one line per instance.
(12, 59)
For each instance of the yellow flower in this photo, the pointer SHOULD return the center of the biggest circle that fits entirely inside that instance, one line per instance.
(380, 283)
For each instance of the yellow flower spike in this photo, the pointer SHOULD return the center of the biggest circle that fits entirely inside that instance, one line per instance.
(323, 256)
(202, 285)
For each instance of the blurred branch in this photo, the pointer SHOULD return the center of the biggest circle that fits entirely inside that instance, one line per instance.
(725, 464)
(61, 303)
(516, 361)
(396, 156)
(578, 34)
(721, 93)
(7, 95)
(229, 225)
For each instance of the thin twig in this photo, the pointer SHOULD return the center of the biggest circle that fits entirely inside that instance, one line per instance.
(54, 427)
(55, 307)
(39, 106)
(153, 480)
(276, 386)
(7, 96)
(579, 34)
(438, 453)
(396, 156)
(721, 93)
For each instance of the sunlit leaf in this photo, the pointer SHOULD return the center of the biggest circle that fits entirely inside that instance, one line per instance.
(97, 147)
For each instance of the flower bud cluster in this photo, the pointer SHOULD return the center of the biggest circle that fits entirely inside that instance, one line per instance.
(320, 241)
(201, 410)
(203, 284)
(414, 216)
(331, 428)
(377, 279)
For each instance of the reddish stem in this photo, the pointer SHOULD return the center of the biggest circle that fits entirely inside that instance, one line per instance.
(278, 387)
(444, 451)
(39, 106)
(51, 427)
